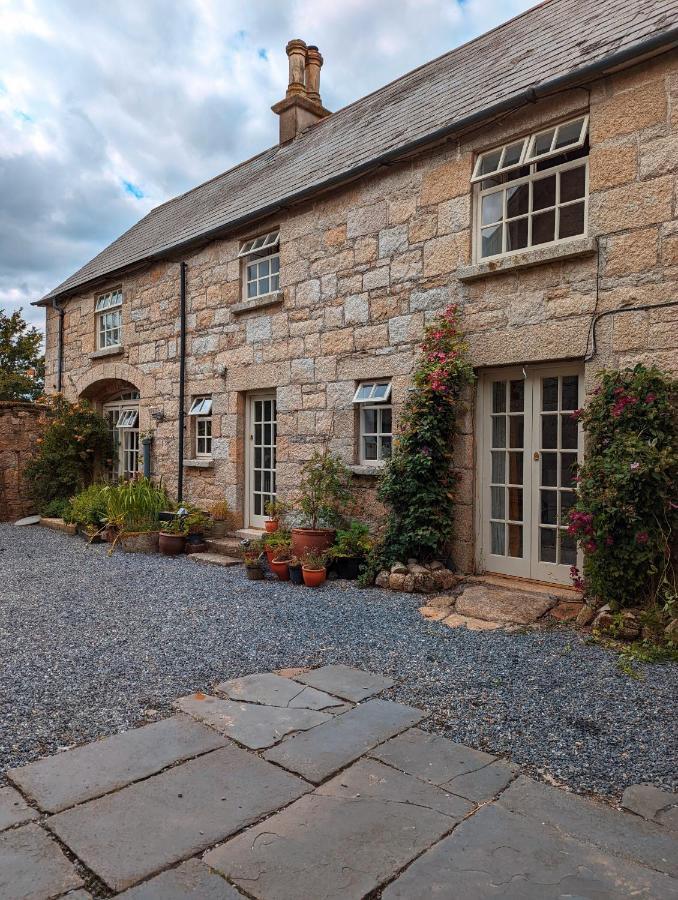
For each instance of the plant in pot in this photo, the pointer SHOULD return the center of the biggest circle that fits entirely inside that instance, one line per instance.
(172, 539)
(314, 569)
(294, 568)
(275, 509)
(133, 508)
(252, 560)
(350, 550)
(275, 542)
(221, 519)
(281, 559)
(197, 521)
(323, 495)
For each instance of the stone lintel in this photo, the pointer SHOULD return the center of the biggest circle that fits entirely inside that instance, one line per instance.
(535, 256)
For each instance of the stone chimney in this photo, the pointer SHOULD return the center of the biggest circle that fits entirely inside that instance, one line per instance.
(302, 106)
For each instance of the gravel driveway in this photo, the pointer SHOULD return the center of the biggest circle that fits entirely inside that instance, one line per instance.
(92, 644)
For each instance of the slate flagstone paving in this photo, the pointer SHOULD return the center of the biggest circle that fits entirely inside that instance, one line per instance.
(281, 789)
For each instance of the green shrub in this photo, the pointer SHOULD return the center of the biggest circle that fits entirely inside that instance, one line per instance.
(57, 509)
(133, 506)
(353, 542)
(418, 483)
(324, 490)
(75, 437)
(89, 507)
(626, 510)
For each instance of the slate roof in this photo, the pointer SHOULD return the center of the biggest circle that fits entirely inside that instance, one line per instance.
(552, 42)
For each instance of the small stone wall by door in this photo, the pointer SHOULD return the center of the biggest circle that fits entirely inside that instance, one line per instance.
(21, 424)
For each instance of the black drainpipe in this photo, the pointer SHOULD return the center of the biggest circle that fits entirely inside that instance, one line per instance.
(182, 375)
(60, 348)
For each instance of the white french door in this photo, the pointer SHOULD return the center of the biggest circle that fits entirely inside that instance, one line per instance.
(529, 448)
(262, 430)
(122, 416)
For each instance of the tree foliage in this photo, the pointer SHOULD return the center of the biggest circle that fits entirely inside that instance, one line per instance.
(418, 483)
(22, 365)
(626, 510)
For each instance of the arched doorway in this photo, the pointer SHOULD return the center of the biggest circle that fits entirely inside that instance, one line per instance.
(118, 402)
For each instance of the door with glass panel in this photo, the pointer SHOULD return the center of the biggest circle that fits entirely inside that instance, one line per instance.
(261, 457)
(530, 445)
(122, 416)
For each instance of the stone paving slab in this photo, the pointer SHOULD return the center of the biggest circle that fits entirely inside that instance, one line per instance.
(95, 769)
(323, 751)
(33, 867)
(76, 895)
(215, 559)
(483, 783)
(254, 726)
(342, 841)
(369, 779)
(497, 605)
(136, 832)
(652, 804)
(13, 809)
(274, 690)
(430, 757)
(499, 855)
(346, 682)
(192, 880)
(613, 832)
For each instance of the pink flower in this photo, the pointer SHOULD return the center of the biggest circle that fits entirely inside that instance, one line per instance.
(577, 414)
(634, 466)
(650, 398)
(609, 540)
(642, 537)
(590, 546)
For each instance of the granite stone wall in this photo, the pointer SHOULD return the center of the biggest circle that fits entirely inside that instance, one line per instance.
(20, 425)
(363, 268)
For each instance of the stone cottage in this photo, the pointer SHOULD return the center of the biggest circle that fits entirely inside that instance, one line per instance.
(528, 176)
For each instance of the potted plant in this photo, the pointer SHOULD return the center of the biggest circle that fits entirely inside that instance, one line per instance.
(313, 569)
(294, 568)
(276, 542)
(350, 549)
(281, 559)
(172, 538)
(275, 510)
(221, 519)
(197, 522)
(252, 560)
(323, 494)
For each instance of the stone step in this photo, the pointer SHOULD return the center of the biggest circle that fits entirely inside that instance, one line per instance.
(250, 534)
(215, 559)
(228, 546)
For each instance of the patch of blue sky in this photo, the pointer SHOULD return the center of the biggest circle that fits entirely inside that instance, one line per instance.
(132, 189)
(262, 53)
(23, 116)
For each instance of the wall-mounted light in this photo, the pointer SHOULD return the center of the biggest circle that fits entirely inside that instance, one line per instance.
(223, 371)
(158, 415)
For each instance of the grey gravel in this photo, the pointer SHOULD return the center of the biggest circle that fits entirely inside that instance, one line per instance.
(91, 645)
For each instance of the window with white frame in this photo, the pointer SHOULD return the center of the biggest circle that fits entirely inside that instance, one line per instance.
(261, 262)
(376, 421)
(532, 191)
(108, 311)
(201, 410)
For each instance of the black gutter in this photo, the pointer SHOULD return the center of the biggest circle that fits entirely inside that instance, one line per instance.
(182, 375)
(664, 39)
(60, 348)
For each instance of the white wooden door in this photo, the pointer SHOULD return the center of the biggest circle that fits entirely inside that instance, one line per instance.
(529, 445)
(261, 456)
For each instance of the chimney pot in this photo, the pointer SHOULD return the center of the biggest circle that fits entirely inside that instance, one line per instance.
(314, 63)
(296, 54)
(301, 106)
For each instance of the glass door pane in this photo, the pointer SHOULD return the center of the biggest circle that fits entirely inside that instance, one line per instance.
(263, 440)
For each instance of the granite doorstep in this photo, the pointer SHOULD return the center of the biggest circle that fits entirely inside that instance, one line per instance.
(616, 833)
(192, 880)
(144, 828)
(13, 809)
(274, 690)
(321, 752)
(499, 855)
(33, 866)
(250, 724)
(74, 776)
(345, 682)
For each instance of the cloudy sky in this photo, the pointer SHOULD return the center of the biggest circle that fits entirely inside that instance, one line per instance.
(109, 107)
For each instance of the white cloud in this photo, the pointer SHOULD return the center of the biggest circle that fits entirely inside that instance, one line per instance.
(107, 109)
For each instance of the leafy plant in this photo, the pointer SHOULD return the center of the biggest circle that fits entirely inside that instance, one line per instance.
(353, 542)
(253, 550)
(278, 540)
(314, 560)
(626, 512)
(134, 506)
(221, 511)
(57, 509)
(75, 438)
(324, 490)
(176, 525)
(89, 507)
(276, 509)
(418, 483)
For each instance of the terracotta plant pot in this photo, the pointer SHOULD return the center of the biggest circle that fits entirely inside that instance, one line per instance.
(270, 556)
(143, 542)
(171, 544)
(271, 525)
(314, 577)
(280, 567)
(254, 571)
(318, 539)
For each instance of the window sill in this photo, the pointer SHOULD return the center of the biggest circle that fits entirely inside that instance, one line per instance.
(370, 471)
(258, 303)
(577, 247)
(198, 463)
(107, 351)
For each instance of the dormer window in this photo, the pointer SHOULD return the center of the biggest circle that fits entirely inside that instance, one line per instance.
(532, 191)
(261, 265)
(108, 312)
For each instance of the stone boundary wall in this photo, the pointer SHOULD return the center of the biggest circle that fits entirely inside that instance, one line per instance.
(21, 423)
